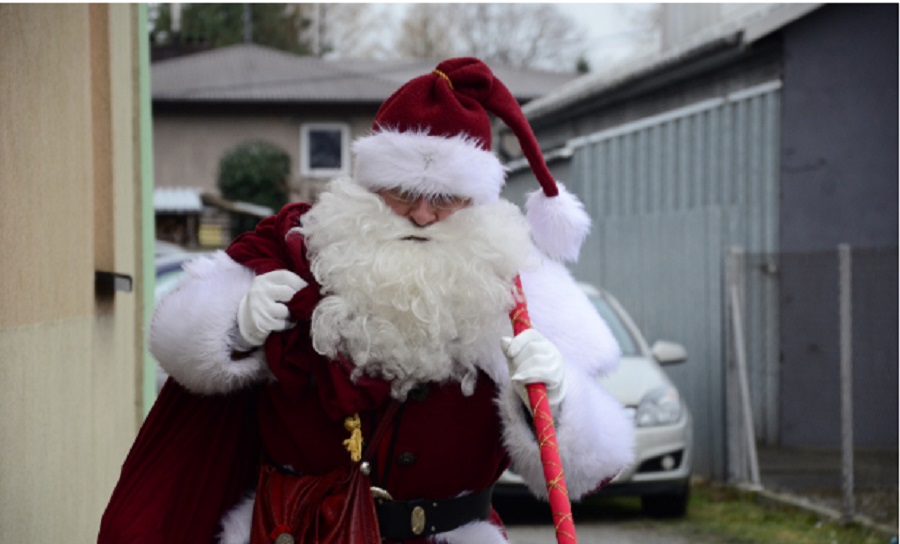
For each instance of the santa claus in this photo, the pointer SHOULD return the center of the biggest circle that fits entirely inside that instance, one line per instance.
(386, 305)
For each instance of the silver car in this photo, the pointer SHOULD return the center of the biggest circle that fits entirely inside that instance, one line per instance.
(661, 471)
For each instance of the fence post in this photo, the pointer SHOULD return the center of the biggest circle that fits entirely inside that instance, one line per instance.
(734, 287)
(736, 463)
(846, 338)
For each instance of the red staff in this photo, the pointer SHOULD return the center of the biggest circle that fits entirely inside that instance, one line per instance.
(558, 494)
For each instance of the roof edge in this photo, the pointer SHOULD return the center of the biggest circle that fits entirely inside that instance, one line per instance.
(646, 68)
(731, 36)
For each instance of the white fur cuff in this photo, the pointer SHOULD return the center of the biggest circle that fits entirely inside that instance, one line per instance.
(594, 434)
(191, 333)
(562, 312)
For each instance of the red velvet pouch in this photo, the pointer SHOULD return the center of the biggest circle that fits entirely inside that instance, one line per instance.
(333, 508)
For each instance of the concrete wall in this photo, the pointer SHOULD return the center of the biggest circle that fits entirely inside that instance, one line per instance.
(839, 185)
(70, 375)
(839, 178)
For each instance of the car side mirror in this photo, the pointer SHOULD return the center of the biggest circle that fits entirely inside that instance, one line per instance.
(668, 353)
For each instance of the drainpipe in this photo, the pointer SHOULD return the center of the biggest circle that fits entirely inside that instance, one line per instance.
(148, 218)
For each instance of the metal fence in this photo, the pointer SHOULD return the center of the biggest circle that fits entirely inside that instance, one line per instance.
(812, 376)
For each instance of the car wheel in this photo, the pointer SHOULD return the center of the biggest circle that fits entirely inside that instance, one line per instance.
(666, 505)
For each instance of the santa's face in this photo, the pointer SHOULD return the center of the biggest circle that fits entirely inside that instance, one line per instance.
(422, 210)
(415, 295)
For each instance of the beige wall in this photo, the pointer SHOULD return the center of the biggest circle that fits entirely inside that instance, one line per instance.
(69, 204)
(188, 148)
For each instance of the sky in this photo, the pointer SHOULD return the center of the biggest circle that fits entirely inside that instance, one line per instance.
(611, 35)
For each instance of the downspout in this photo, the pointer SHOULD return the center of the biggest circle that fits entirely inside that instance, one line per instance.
(148, 216)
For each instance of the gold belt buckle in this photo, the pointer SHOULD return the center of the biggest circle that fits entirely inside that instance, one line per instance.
(417, 520)
(416, 517)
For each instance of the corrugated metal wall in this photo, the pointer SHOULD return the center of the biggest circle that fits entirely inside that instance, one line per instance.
(669, 194)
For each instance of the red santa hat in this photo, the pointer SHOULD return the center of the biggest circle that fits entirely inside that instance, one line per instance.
(433, 136)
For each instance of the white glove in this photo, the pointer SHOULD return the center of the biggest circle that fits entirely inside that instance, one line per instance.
(261, 310)
(534, 359)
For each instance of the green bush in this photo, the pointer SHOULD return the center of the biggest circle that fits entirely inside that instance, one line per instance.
(255, 172)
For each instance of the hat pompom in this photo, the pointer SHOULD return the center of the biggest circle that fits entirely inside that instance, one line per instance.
(559, 224)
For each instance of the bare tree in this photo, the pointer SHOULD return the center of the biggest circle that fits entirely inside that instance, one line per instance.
(425, 32)
(344, 29)
(523, 35)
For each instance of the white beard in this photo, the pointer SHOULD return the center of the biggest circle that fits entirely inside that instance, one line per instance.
(412, 311)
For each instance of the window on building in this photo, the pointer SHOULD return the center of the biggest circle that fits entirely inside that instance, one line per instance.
(324, 149)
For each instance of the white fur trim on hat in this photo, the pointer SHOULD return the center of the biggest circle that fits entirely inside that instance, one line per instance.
(559, 224)
(428, 164)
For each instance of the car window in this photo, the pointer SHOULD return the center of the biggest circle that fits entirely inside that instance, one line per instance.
(626, 341)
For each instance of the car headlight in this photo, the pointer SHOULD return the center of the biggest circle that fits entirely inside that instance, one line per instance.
(659, 407)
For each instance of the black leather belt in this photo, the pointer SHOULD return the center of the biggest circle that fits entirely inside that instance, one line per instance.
(402, 520)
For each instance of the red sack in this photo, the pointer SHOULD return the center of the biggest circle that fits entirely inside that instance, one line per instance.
(192, 460)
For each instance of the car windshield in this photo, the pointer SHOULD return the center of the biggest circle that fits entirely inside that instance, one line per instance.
(626, 341)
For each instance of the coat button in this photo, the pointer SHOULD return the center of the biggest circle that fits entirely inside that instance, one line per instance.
(419, 392)
(406, 459)
(284, 538)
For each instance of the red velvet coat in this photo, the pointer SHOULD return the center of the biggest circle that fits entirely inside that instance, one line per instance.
(442, 443)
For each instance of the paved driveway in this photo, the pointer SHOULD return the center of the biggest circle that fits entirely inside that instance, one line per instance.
(605, 522)
(595, 533)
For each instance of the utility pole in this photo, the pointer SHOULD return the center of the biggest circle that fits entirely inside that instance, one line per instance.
(248, 24)
(317, 29)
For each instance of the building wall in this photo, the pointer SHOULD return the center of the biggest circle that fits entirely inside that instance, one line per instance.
(840, 185)
(70, 204)
(669, 194)
(668, 91)
(675, 169)
(828, 146)
(189, 146)
(840, 129)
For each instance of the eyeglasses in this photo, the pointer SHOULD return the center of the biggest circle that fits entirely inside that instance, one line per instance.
(439, 201)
